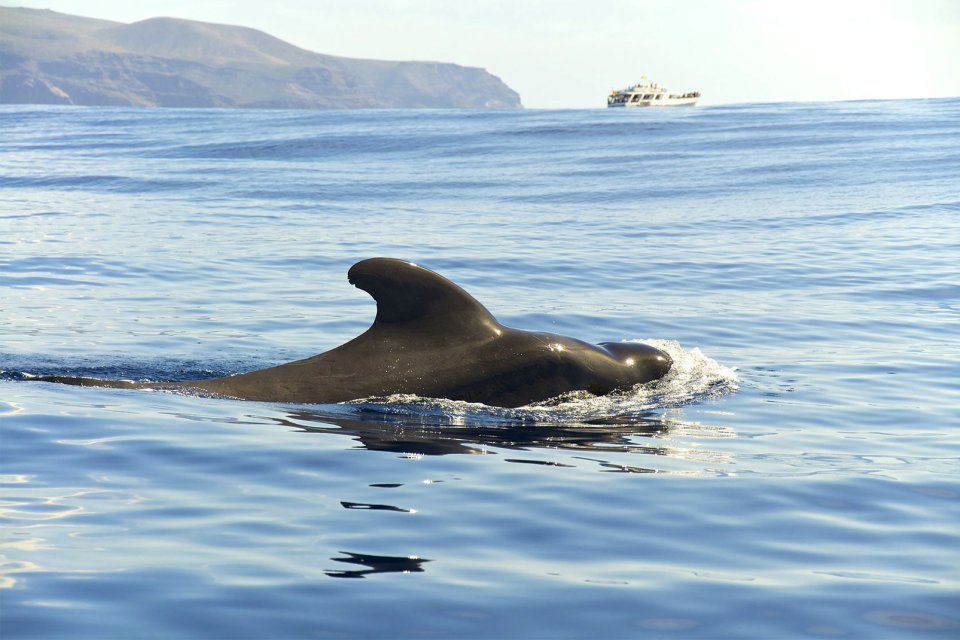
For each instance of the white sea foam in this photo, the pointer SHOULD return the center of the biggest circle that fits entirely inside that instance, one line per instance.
(694, 377)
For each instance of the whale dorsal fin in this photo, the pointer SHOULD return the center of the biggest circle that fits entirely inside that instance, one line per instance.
(407, 293)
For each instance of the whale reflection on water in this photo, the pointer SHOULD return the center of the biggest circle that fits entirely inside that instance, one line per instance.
(436, 428)
(412, 430)
(376, 564)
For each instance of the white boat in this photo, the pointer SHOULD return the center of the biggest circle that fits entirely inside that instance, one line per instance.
(650, 94)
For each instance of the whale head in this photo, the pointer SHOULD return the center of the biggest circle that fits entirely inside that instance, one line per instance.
(647, 361)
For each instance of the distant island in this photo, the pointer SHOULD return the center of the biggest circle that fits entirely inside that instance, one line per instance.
(54, 58)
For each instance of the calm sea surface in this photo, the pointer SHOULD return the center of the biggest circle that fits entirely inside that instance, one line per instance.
(796, 475)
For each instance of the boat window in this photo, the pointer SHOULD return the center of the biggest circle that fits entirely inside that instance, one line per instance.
(648, 96)
(635, 98)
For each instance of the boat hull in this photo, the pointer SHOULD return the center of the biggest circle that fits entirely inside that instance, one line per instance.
(666, 102)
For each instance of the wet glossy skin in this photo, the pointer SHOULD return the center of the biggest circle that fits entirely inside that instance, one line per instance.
(432, 339)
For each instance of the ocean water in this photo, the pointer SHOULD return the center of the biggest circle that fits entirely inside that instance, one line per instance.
(796, 475)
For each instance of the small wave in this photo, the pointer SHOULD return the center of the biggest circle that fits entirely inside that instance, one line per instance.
(21, 369)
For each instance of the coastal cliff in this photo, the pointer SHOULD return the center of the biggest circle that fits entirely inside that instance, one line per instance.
(54, 58)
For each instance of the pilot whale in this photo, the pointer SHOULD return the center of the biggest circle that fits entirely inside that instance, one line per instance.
(433, 339)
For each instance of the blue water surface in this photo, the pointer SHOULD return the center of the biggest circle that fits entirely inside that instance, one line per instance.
(797, 474)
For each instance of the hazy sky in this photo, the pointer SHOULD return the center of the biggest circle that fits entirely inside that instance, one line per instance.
(570, 53)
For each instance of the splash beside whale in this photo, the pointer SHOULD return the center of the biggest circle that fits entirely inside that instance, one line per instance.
(433, 339)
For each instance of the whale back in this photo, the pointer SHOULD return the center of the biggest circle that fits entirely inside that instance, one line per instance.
(409, 296)
(433, 339)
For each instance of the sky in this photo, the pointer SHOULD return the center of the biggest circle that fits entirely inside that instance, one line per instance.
(571, 53)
